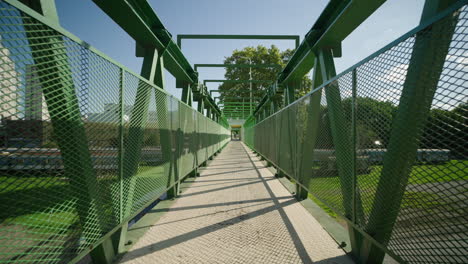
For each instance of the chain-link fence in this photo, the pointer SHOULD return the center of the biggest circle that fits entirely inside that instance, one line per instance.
(84, 144)
(385, 144)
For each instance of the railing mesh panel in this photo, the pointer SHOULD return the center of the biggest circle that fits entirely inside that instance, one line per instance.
(84, 144)
(385, 144)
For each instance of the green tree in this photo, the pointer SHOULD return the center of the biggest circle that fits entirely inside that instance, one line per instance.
(447, 129)
(256, 55)
(373, 121)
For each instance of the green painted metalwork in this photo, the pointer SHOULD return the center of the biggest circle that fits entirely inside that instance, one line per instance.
(143, 25)
(138, 19)
(86, 144)
(427, 59)
(54, 75)
(398, 103)
(196, 66)
(93, 147)
(336, 22)
(272, 37)
(238, 81)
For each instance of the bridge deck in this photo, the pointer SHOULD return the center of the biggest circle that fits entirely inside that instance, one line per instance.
(236, 212)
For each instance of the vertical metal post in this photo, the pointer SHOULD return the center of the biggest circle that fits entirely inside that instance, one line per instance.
(208, 111)
(288, 93)
(243, 109)
(250, 79)
(353, 142)
(341, 135)
(136, 127)
(310, 132)
(201, 106)
(355, 237)
(187, 94)
(340, 131)
(119, 242)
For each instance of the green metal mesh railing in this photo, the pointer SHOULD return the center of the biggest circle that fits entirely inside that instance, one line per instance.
(385, 143)
(84, 144)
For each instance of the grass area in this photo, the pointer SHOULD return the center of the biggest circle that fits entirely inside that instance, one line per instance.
(453, 170)
(42, 209)
(40, 202)
(12, 183)
(328, 189)
(327, 209)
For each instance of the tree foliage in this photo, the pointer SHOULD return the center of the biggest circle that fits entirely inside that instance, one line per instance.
(256, 55)
(444, 129)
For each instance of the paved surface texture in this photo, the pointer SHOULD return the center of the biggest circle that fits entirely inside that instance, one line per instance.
(236, 212)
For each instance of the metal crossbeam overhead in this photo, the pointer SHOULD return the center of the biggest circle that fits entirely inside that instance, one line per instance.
(139, 20)
(235, 106)
(234, 103)
(296, 38)
(237, 81)
(235, 98)
(228, 101)
(235, 91)
(382, 159)
(196, 66)
(336, 22)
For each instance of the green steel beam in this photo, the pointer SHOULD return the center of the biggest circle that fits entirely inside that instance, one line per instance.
(56, 82)
(427, 59)
(196, 66)
(187, 95)
(336, 22)
(339, 131)
(236, 108)
(235, 102)
(233, 93)
(234, 105)
(237, 98)
(138, 119)
(139, 20)
(215, 36)
(238, 81)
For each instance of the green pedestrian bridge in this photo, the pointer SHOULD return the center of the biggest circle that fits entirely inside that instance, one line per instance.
(102, 165)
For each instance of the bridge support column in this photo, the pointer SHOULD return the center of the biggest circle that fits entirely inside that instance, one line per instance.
(344, 150)
(426, 64)
(187, 96)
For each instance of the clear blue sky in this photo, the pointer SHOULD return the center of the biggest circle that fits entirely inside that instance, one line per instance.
(292, 17)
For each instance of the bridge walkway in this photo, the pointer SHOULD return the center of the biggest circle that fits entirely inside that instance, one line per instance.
(236, 212)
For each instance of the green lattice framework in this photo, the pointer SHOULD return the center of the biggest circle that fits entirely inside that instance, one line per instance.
(384, 144)
(86, 144)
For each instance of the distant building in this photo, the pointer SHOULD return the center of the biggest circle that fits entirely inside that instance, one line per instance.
(34, 103)
(111, 114)
(8, 86)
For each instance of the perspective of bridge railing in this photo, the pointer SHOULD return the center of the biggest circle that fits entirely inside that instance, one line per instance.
(384, 143)
(87, 144)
